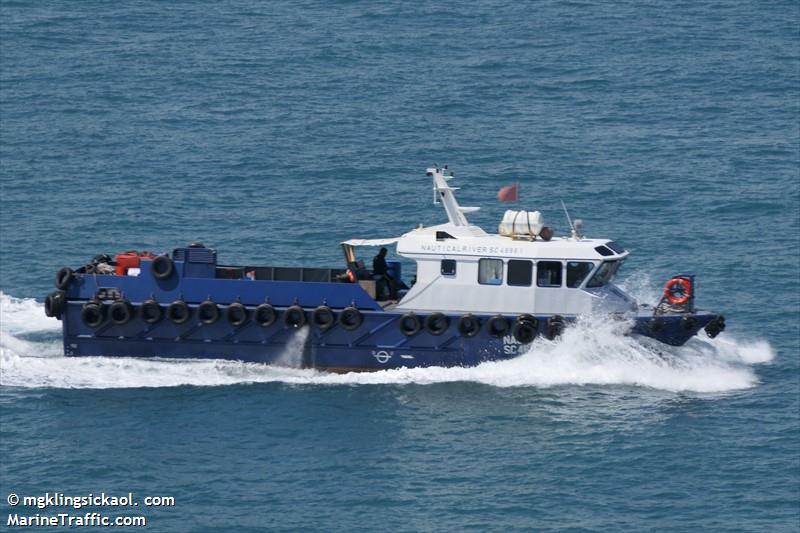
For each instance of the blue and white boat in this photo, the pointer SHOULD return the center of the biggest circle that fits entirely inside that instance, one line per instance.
(476, 297)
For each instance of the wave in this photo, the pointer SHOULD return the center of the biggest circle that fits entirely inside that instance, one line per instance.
(593, 352)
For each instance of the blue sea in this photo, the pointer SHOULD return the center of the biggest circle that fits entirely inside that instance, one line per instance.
(274, 130)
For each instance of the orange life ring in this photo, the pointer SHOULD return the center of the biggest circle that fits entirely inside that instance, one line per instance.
(685, 287)
(351, 277)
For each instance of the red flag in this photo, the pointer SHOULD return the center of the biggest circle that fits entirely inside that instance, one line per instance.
(509, 193)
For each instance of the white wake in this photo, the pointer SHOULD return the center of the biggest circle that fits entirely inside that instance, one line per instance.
(592, 352)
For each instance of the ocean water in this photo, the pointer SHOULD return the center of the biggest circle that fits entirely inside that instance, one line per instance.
(273, 131)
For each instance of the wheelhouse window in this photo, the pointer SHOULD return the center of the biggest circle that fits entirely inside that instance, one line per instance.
(520, 273)
(548, 273)
(604, 274)
(616, 247)
(490, 271)
(602, 250)
(448, 267)
(577, 272)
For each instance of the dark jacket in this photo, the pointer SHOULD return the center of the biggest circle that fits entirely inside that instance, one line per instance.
(379, 267)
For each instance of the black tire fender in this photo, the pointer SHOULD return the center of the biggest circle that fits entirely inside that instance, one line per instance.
(207, 312)
(498, 326)
(469, 325)
(525, 329)
(55, 303)
(437, 323)
(350, 318)
(555, 327)
(265, 315)
(294, 317)
(178, 312)
(48, 306)
(64, 278)
(120, 312)
(236, 314)
(150, 312)
(162, 267)
(323, 317)
(93, 314)
(715, 327)
(410, 324)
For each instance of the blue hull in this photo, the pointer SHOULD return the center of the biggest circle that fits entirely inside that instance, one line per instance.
(377, 343)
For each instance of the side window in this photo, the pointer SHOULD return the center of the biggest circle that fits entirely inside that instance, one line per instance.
(448, 267)
(520, 273)
(577, 272)
(490, 271)
(548, 273)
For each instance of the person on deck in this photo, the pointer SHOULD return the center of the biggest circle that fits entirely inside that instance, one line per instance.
(380, 272)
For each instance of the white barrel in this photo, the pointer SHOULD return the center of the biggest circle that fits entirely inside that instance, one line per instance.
(522, 223)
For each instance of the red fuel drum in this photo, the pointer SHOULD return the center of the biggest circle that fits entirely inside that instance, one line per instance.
(130, 259)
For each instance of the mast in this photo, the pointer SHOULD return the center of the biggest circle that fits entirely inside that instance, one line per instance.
(442, 191)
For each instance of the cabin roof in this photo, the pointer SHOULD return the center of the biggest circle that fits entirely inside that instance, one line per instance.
(446, 240)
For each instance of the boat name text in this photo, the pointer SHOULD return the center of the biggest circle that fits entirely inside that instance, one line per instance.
(471, 249)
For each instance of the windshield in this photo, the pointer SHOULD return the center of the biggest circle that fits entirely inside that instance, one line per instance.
(604, 274)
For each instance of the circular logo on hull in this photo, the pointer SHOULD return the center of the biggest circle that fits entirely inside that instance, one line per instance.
(382, 356)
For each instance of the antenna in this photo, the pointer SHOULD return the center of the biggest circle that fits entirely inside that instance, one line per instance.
(569, 220)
